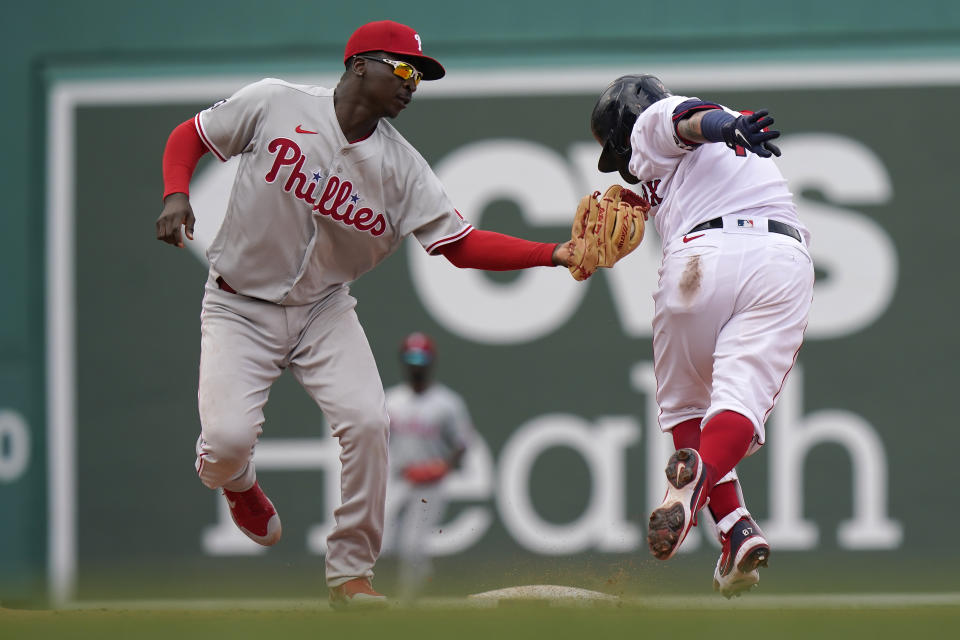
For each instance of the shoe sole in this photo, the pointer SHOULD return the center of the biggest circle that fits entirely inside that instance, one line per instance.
(671, 521)
(754, 558)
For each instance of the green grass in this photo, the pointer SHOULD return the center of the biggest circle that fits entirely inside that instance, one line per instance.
(714, 618)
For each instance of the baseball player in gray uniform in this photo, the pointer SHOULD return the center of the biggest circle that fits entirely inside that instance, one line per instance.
(326, 189)
(731, 308)
(430, 430)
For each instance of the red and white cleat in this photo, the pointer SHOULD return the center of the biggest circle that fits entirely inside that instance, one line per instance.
(254, 514)
(671, 521)
(744, 551)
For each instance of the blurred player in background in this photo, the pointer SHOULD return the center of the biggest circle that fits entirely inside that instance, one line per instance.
(430, 430)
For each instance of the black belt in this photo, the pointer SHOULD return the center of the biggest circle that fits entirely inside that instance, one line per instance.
(772, 226)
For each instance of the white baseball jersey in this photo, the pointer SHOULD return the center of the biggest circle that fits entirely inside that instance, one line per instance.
(686, 186)
(309, 209)
(732, 303)
(425, 426)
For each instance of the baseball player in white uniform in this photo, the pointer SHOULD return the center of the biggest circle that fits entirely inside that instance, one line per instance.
(430, 430)
(731, 307)
(326, 189)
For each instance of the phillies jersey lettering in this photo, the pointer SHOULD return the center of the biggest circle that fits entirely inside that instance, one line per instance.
(281, 146)
(335, 195)
(332, 209)
(338, 192)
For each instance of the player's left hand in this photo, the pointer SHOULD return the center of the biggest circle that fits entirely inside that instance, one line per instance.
(752, 132)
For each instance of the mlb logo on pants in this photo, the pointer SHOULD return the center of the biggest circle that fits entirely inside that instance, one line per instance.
(745, 223)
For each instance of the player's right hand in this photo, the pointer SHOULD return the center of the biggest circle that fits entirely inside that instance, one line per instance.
(752, 132)
(176, 212)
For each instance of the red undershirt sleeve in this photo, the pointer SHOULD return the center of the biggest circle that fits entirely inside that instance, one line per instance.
(184, 149)
(493, 251)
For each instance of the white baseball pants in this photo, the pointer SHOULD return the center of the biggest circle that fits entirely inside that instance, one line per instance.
(730, 312)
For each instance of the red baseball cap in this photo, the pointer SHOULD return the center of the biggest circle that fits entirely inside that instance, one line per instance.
(417, 349)
(393, 37)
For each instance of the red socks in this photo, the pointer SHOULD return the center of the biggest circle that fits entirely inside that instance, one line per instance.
(724, 498)
(686, 435)
(724, 442)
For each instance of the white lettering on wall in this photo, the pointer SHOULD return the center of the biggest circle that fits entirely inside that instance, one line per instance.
(466, 301)
(603, 443)
(14, 446)
(858, 256)
(603, 523)
(791, 436)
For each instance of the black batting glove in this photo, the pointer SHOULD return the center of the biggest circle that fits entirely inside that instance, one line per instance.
(751, 133)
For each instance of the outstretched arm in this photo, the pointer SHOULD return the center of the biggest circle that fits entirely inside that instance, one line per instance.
(184, 149)
(493, 251)
(750, 131)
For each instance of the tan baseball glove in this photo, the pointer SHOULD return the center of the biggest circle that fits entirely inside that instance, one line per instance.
(607, 229)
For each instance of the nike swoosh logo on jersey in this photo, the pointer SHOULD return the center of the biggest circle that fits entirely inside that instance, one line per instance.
(689, 238)
(300, 129)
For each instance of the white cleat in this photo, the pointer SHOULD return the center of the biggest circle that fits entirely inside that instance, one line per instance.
(744, 551)
(672, 520)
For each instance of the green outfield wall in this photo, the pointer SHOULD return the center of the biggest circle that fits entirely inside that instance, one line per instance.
(99, 338)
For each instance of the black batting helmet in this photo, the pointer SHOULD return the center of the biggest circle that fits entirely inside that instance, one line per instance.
(615, 113)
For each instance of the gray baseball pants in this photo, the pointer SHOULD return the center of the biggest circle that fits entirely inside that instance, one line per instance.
(245, 345)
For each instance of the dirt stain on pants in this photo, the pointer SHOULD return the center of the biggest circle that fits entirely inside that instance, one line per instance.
(691, 277)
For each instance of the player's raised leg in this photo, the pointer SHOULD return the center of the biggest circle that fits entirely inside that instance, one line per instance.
(691, 475)
(686, 320)
(758, 344)
(236, 372)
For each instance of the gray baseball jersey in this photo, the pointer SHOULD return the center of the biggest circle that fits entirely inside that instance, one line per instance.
(425, 426)
(309, 209)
